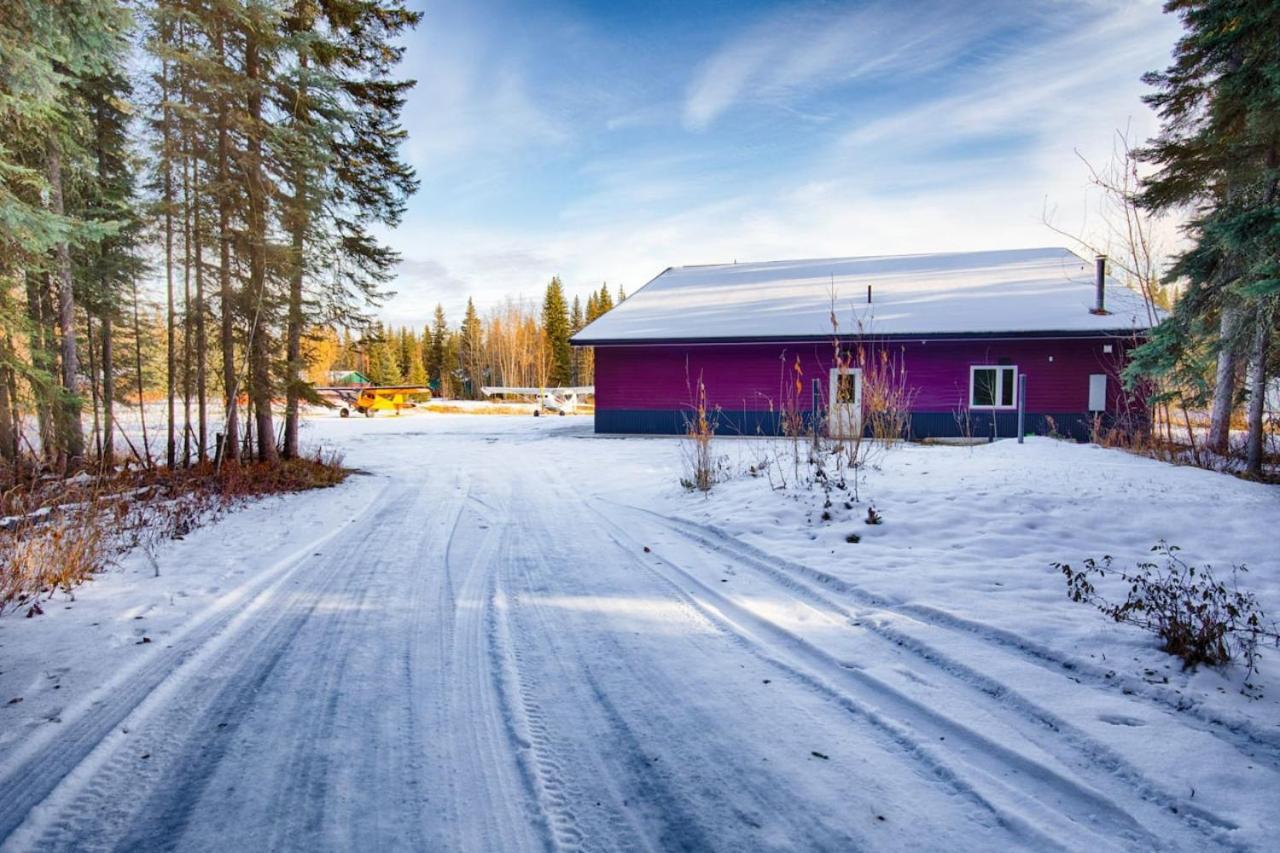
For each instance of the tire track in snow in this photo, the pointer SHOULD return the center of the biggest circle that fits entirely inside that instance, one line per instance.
(559, 757)
(887, 707)
(525, 731)
(703, 793)
(181, 761)
(1066, 742)
(33, 773)
(1242, 735)
(473, 701)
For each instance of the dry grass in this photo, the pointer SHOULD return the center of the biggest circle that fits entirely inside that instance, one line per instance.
(57, 533)
(56, 555)
(701, 466)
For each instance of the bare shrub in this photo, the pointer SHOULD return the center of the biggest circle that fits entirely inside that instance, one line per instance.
(1197, 617)
(56, 533)
(55, 555)
(700, 464)
(886, 396)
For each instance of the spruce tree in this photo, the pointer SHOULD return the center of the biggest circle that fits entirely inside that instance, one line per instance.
(383, 368)
(555, 328)
(105, 195)
(49, 50)
(1218, 152)
(470, 345)
(416, 375)
(344, 169)
(436, 367)
(576, 323)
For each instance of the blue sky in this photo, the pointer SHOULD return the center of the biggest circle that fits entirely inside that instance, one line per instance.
(607, 141)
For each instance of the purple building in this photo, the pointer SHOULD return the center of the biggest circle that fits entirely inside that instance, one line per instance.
(961, 341)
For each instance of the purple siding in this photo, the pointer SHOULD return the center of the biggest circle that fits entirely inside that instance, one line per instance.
(750, 377)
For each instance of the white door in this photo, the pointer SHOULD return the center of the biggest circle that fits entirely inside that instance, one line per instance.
(1097, 392)
(844, 419)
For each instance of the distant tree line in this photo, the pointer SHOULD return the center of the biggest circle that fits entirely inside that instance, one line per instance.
(514, 343)
(238, 152)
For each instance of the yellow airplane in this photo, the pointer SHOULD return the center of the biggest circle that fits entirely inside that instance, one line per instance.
(367, 399)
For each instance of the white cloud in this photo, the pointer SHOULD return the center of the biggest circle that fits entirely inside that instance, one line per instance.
(968, 167)
(791, 52)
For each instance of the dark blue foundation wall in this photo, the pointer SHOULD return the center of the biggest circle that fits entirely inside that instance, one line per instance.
(974, 424)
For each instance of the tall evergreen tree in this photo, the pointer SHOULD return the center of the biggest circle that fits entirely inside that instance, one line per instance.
(106, 196)
(470, 352)
(416, 374)
(436, 366)
(1219, 152)
(49, 50)
(555, 328)
(576, 323)
(344, 167)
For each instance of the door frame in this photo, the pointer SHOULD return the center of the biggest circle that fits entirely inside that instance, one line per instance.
(844, 420)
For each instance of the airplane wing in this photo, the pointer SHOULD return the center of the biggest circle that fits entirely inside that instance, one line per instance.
(549, 389)
(395, 389)
(510, 389)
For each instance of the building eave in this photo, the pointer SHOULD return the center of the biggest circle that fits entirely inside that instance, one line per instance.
(1061, 334)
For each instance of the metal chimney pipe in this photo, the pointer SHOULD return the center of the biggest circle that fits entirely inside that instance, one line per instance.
(1100, 283)
(868, 294)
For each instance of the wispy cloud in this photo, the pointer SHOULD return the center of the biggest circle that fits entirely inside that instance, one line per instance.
(788, 52)
(1044, 89)
(889, 128)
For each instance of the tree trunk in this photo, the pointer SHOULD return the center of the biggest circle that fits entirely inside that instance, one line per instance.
(39, 340)
(293, 346)
(1224, 386)
(298, 225)
(186, 307)
(202, 415)
(1258, 390)
(260, 344)
(71, 440)
(137, 354)
(171, 352)
(231, 425)
(93, 383)
(8, 428)
(108, 396)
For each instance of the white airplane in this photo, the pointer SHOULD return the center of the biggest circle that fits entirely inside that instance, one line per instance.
(563, 400)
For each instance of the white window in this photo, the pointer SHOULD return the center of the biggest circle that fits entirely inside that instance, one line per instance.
(993, 386)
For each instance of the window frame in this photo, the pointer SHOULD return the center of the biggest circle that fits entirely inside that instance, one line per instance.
(973, 368)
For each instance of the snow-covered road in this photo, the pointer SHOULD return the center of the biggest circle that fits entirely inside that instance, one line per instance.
(482, 650)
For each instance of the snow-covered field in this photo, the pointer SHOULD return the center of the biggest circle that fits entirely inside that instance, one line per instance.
(510, 634)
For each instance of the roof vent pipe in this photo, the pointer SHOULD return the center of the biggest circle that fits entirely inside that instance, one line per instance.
(1100, 284)
(868, 294)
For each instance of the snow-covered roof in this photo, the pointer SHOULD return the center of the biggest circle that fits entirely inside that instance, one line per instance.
(965, 293)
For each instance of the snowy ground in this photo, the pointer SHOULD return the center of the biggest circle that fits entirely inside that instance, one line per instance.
(510, 634)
